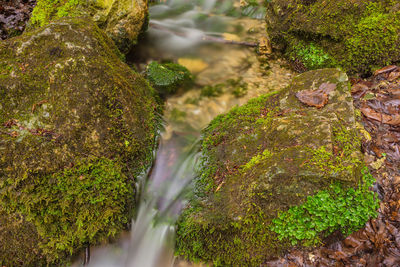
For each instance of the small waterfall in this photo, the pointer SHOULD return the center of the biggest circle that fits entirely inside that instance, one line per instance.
(162, 196)
(160, 205)
(177, 27)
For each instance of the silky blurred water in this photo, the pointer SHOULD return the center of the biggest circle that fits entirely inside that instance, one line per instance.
(177, 27)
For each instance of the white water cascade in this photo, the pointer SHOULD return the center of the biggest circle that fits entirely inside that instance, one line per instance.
(176, 27)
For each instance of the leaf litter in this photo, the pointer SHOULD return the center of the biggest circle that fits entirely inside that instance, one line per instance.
(14, 14)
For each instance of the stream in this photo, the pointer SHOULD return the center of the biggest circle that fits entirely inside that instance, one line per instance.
(177, 33)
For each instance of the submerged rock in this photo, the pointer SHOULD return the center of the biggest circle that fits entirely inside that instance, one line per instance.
(357, 35)
(266, 156)
(77, 126)
(122, 20)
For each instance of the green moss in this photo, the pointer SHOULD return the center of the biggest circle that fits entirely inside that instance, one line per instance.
(5, 70)
(45, 10)
(340, 160)
(310, 54)
(341, 209)
(357, 35)
(226, 243)
(207, 234)
(103, 122)
(257, 159)
(251, 112)
(82, 205)
(375, 39)
(261, 159)
(167, 77)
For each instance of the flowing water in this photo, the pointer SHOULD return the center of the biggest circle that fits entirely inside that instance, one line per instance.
(190, 32)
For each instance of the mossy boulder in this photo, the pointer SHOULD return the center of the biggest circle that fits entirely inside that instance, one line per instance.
(357, 35)
(77, 126)
(271, 154)
(167, 78)
(122, 20)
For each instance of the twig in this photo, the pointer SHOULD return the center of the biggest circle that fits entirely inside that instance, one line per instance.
(86, 260)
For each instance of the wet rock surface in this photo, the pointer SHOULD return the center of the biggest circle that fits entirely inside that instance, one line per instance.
(14, 15)
(122, 20)
(260, 159)
(77, 126)
(356, 35)
(378, 244)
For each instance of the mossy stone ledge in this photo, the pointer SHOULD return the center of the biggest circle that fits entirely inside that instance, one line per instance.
(260, 159)
(122, 20)
(357, 35)
(77, 126)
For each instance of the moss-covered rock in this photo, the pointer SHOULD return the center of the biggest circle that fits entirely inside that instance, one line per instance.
(266, 156)
(357, 35)
(167, 78)
(122, 20)
(77, 125)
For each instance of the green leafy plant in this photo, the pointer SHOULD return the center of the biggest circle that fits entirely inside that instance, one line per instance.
(311, 55)
(168, 76)
(329, 210)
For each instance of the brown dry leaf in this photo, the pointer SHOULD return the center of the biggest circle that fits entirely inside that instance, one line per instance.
(392, 257)
(313, 98)
(359, 87)
(34, 106)
(10, 123)
(384, 118)
(385, 70)
(353, 241)
(394, 76)
(327, 87)
(316, 98)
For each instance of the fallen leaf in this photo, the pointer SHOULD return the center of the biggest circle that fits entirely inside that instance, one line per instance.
(359, 87)
(313, 98)
(394, 76)
(378, 116)
(10, 123)
(385, 70)
(327, 87)
(316, 98)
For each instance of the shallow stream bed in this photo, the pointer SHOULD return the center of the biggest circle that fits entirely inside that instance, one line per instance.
(237, 73)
